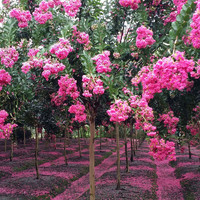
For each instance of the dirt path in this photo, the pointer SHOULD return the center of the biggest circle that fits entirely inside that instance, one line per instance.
(80, 186)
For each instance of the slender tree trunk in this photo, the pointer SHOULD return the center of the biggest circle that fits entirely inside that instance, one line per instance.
(100, 136)
(81, 132)
(11, 147)
(24, 130)
(126, 150)
(5, 145)
(79, 144)
(131, 132)
(41, 135)
(68, 138)
(36, 153)
(189, 151)
(136, 144)
(118, 156)
(92, 158)
(65, 141)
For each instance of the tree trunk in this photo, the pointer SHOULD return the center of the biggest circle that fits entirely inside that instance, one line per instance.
(36, 153)
(11, 146)
(5, 144)
(81, 132)
(41, 136)
(118, 156)
(189, 151)
(136, 144)
(126, 150)
(100, 136)
(65, 141)
(24, 130)
(68, 138)
(131, 132)
(92, 158)
(79, 144)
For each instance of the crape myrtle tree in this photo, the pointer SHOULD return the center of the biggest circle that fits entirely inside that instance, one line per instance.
(129, 53)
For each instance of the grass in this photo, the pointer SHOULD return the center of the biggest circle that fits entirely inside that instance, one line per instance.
(188, 192)
(100, 160)
(178, 172)
(3, 174)
(173, 163)
(46, 197)
(29, 165)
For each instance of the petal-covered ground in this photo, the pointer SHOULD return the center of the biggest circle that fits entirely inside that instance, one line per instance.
(146, 179)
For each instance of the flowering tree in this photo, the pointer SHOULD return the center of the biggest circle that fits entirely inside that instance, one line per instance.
(88, 51)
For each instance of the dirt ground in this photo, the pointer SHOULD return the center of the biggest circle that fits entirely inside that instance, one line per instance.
(146, 179)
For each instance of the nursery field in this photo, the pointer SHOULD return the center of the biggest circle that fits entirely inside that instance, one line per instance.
(146, 179)
(99, 99)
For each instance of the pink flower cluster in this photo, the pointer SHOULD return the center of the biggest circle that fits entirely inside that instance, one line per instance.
(5, 129)
(161, 150)
(42, 14)
(82, 37)
(195, 33)
(5, 78)
(8, 56)
(32, 52)
(32, 63)
(102, 62)
(179, 4)
(168, 73)
(196, 73)
(22, 17)
(92, 86)
(51, 68)
(78, 109)
(193, 128)
(68, 87)
(144, 37)
(57, 100)
(119, 111)
(62, 48)
(132, 3)
(169, 121)
(171, 18)
(3, 116)
(71, 7)
(143, 114)
(53, 3)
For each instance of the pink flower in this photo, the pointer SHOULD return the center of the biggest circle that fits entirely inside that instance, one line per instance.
(61, 49)
(78, 109)
(119, 111)
(8, 56)
(144, 37)
(132, 3)
(71, 7)
(33, 52)
(103, 62)
(161, 150)
(169, 121)
(67, 86)
(5, 78)
(92, 85)
(42, 14)
(22, 16)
